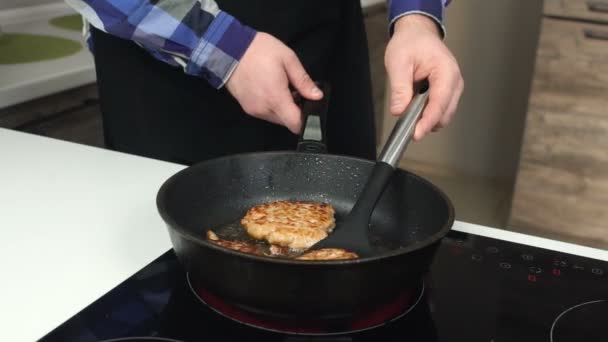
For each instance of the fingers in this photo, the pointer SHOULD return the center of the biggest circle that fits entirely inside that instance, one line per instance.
(439, 97)
(414, 54)
(401, 85)
(286, 108)
(260, 83)
(288, 112)
(445, 87)
(447, 117)
(299, 78)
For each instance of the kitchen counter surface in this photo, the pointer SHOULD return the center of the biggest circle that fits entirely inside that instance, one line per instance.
(78, 220)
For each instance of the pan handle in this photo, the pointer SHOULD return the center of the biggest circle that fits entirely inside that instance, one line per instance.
(314, 114)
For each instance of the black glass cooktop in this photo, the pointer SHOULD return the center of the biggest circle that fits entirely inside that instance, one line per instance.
(479, 289)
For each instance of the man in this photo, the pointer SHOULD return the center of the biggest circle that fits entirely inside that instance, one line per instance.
(189, 80)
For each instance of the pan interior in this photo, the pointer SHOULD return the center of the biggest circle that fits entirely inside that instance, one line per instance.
(215, 195)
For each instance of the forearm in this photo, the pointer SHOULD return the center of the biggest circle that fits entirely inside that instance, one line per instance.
(434, 9)
(194, 34)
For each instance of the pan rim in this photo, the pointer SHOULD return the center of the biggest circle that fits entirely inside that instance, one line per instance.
(172, 225)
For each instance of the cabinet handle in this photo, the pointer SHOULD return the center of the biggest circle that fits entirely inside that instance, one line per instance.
(596, 34)
(597, 6)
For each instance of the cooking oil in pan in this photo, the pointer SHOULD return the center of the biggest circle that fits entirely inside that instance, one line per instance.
(234, 231)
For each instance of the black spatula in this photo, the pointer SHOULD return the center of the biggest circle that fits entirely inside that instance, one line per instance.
(351, 233)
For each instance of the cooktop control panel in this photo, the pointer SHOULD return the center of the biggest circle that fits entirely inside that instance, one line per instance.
(486, 289)
(530, 263)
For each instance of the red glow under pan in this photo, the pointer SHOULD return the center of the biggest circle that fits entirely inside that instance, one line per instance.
(377, 317)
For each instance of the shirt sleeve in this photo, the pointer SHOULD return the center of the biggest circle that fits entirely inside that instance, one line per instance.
(433, 9)
(193, 34)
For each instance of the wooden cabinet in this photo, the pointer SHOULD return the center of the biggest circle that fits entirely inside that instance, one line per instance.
(561, 189)
(376, 25)
(595, 10)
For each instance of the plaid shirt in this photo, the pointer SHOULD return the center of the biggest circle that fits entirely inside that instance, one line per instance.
(197, 35)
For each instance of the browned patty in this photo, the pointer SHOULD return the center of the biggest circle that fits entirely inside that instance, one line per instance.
(246, 247)
(277, 251)
(294, 224)
(328, 254)
(235, 245)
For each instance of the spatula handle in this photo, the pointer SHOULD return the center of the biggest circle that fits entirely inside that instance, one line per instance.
(404, 128)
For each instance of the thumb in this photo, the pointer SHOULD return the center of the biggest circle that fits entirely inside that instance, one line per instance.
(401, 82)
(288, 112)
(300, 79)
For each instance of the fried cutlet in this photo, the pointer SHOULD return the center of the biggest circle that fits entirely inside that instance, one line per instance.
(294, 224)
(235, 245)
(277, 251)
(328, 254)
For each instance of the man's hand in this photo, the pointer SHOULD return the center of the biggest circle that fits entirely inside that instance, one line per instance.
(416, 52)
(260, 82)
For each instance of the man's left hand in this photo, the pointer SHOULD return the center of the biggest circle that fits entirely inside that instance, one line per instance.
(416, 52)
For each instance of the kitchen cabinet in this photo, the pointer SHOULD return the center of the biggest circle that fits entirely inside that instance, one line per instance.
(592, 10)
(561, 188)
(376, 24)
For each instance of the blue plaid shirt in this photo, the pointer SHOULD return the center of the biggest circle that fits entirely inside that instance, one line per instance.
(196, 34)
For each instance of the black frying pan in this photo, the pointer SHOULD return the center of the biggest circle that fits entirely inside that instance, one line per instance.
(408, 222)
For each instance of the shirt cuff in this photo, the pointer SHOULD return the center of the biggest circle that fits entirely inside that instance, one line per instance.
(433, 9)
(220, 49)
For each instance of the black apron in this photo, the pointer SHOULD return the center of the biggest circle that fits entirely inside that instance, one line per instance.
(154, 110)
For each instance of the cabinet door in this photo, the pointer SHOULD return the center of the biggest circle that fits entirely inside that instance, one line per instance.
(561, 190)
(596, 10)
(376, 24)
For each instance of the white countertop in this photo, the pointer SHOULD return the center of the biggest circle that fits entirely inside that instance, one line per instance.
(78, 220)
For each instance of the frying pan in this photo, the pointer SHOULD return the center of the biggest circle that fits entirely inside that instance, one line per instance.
(406, 227)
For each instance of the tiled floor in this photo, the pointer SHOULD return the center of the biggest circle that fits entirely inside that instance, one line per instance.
(475, 200)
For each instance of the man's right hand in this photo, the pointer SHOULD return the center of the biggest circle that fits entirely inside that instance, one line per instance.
(260, 83)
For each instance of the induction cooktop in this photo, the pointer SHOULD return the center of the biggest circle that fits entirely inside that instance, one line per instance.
(478, 289)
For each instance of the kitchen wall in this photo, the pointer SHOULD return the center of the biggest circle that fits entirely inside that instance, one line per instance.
(494, 42)
(5, 4)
